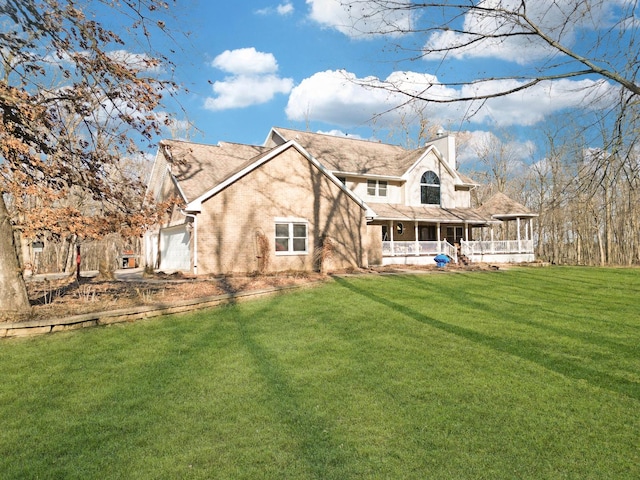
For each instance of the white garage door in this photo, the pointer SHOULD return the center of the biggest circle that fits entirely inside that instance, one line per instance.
(175, 253)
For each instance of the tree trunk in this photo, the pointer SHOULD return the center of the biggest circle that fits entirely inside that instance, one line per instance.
(13, 291)
(105, 265)
(71, 254)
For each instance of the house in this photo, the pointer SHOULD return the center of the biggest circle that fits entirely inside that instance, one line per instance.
(308, 201)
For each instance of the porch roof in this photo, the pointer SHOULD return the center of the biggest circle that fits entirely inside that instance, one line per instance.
(430, 214)
(504, 208)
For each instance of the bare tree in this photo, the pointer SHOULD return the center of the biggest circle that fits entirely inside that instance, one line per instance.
(548, 39)
(73, 103)
(585, 195)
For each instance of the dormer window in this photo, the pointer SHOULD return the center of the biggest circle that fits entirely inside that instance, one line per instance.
(377, 188)
(430, 188)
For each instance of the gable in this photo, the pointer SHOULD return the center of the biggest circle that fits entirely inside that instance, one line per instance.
(349, 156)
(197, 167)
(258, 162)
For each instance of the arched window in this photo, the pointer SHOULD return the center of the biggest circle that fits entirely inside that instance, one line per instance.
(430, 188)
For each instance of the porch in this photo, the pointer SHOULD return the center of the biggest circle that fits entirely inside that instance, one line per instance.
(483, 251)
(456, 242)
(498, 251)
(500, 231)
(416, 252)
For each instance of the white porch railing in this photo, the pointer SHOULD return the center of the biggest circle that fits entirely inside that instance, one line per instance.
(484, 247)
(413, 248)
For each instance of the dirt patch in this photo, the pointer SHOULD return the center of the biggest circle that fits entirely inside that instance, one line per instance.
(68, 296)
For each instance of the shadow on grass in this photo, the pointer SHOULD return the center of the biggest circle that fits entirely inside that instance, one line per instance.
(519, 349)
(324, 454)
(472, 299)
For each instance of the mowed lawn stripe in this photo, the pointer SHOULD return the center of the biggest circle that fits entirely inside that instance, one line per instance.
(523, 373)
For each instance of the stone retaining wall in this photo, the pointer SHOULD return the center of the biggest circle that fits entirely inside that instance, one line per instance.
(39, 327)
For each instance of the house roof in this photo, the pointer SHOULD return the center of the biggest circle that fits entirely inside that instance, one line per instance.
(349, 155)
(201, 170)
(502, 207)
(198, 167)
(195, 204)
(344, 155)
(385, 211)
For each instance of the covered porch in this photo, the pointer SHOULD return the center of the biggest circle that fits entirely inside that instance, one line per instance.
(415, 235)
(492, 250)
(508, 237)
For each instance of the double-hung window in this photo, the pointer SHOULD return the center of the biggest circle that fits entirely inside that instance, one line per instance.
(377, 188)
(291, 236)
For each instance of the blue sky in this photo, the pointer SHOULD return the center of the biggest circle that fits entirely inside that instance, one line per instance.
(253, 64)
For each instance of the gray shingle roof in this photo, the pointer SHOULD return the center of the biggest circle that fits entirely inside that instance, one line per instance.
(501, 206)
(199, 167)
(348, 155)
(386, 211)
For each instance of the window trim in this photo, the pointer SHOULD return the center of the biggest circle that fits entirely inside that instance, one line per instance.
(291, 222)
(426, 187)
(378, 187)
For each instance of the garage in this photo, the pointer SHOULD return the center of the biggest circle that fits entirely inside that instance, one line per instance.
(175, 251)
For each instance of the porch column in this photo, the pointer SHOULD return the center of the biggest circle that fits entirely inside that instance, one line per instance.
(439, 238)
(493, 246)
(393, 250)
(415, 228)
(518, 234)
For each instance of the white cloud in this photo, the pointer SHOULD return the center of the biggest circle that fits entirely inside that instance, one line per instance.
(532, 105)
(245, 61)
(246, 90)
(254, 80)
(283, 9)
(340, 133)
(336, 97)
(341, 98)
(487, 34)
(362, 18)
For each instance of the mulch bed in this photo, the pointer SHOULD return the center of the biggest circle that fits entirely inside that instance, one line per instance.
(69, 296)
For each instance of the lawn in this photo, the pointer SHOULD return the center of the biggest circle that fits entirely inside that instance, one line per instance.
(523, 373)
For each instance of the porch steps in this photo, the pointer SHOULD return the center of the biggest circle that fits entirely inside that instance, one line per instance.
(463, 260)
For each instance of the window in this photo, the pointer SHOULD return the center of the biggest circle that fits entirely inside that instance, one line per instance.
(377, 188)
(430, 188)
(291, 237)
(428, 233)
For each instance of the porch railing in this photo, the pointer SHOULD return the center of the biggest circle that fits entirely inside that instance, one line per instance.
(413, 248)
(485, 247)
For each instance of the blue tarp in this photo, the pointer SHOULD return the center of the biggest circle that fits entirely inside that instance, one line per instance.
(441, 260)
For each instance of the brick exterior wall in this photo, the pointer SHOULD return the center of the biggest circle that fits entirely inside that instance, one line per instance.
(287, 186)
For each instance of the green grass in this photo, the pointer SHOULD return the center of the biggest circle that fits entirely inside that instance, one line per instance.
(525, 373)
